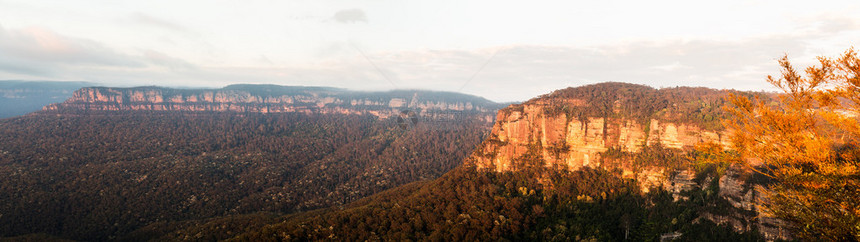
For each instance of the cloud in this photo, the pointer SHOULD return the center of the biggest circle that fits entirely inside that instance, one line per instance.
(42, 45)
(38, 51)
(165, 60)
(149, 20)
(348, 16)
(516, 73)
(827, 25)
(520, 72)
(670, 67)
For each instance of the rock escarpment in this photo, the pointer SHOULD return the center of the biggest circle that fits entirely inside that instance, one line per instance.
(572, 144)
(580, 127)
(572, 128)
(278, 99)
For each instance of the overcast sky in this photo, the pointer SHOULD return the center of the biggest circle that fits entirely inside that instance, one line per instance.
(501, 50)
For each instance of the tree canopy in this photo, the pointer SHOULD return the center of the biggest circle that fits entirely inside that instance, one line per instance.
(807, 140)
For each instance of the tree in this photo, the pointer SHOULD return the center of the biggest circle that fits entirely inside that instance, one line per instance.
(807, 139)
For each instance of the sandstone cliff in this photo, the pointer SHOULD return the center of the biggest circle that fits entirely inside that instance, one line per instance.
(570, 143)
(278, 99)
(573, 128)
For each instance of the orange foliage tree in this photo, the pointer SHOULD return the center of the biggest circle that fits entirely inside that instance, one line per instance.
(807, 139)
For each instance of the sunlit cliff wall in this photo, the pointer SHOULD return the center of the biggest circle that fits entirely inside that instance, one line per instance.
(573, 143)
(560, 140)
(279, 99)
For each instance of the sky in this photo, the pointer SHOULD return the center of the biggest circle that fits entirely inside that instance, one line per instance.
(501, 50)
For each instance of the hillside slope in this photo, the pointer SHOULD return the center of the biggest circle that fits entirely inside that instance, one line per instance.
(78, 171)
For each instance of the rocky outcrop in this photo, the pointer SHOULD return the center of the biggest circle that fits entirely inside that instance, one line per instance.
(571, 143)
(744, 195)
(558, 131)
(277, 99)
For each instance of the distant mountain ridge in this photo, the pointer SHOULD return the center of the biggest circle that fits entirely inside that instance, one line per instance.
(22, 97)
(277, 99)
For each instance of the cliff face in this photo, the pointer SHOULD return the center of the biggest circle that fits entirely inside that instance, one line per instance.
(570, 143)
(571, 129)
(277, 99)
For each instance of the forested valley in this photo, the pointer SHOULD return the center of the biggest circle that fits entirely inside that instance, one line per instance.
(101, 175)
